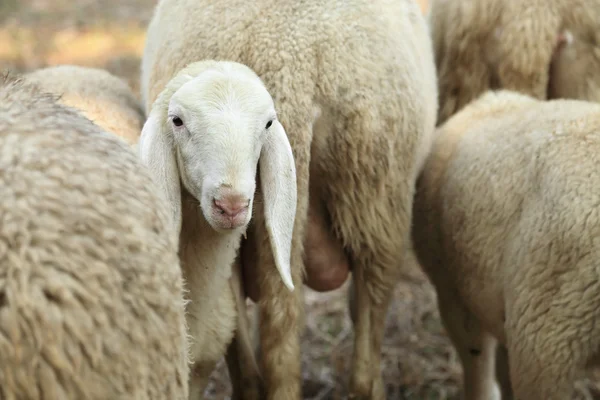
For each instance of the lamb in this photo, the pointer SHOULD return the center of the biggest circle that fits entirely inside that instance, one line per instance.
(354, 85)
(545, 49)
(506, 226)
(91, 301)
(205, 134)
(102, 97)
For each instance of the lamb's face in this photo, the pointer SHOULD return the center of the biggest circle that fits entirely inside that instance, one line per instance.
(220, 123)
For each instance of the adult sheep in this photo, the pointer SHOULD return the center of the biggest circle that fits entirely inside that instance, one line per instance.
(354, 86)
(102, 97)
(91, 302)
(506, 225)
(545, 49)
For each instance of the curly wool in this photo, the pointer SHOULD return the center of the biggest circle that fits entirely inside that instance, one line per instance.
(102, 97)
(506, 225)
(515, 45)
(91, 302)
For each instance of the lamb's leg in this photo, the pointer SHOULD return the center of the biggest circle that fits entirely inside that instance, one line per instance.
(241, 360)
(235, 370)
(199, 376)
(503, 373)
(476, 348)
(244, 382)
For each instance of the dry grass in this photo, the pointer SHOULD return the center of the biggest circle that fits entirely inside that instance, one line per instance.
(418, 360)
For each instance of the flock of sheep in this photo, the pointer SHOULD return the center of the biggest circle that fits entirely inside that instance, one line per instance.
(283, 143)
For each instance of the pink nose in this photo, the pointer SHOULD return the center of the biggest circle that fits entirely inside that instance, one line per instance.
(231, 204)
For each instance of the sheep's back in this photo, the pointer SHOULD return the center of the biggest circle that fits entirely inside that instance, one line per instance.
(105, 99)
(90, 285)
(366, 65)
(519, 193)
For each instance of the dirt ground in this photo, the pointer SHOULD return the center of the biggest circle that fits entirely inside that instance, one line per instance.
(418, 362)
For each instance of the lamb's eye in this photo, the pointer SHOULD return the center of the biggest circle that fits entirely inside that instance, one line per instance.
(177, 121)
(269, 124)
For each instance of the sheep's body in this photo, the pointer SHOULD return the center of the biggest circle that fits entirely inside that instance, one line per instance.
(90, 284)
(506, 226)
(354, 84)
(489, 44)
(102, 97)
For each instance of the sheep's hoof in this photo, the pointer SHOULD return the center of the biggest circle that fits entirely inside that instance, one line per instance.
(252, 391)
(373, 390)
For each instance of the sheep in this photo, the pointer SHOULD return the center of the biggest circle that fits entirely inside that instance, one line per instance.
(102, 97)
(545, 49)
(355, 87)
(91, 301)
(205, 134)
(506, 227)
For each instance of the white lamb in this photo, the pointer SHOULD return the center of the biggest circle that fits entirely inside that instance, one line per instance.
(206, 134)
(507, 226)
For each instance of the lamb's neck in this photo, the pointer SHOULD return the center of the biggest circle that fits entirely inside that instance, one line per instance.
(206, 255)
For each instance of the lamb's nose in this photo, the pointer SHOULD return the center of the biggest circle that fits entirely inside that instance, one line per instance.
(231, 204)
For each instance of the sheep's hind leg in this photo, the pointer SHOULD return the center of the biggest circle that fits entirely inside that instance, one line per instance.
(476, 348)
(370, 212)
(368, 315)
(375, 272)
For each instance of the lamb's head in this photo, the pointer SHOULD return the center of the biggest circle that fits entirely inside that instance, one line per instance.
(209, 130)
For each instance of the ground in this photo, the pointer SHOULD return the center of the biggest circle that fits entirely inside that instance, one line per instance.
(418, 363)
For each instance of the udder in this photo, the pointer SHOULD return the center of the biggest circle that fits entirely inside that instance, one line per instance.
(325, 261)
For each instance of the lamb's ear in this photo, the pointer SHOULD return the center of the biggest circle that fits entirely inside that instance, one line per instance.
(157, 153)
(278, 183)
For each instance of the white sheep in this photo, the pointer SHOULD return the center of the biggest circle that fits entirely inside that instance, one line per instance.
(542, 48)
(355, 88)
(507, 226)
(102, 97)
(207, 132)
(91, 302)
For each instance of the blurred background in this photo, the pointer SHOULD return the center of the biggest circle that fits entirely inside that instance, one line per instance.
(418, 363)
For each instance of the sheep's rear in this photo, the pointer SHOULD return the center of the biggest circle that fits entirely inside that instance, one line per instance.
(85, 312)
